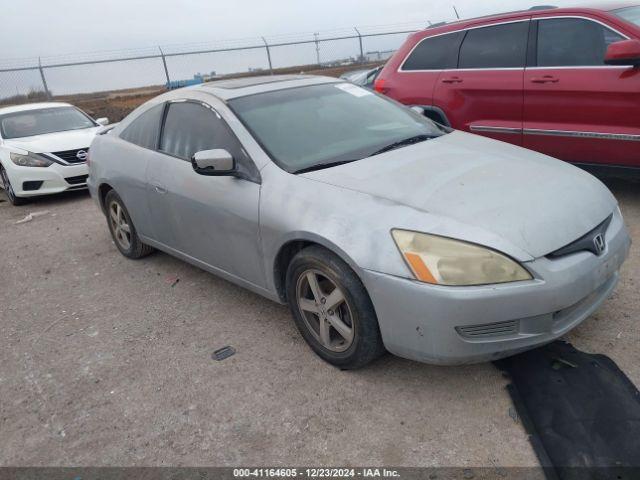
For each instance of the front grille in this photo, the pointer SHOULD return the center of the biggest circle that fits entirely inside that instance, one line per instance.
(77, 180)
(509, 327)
(587, 242)
(71, 156)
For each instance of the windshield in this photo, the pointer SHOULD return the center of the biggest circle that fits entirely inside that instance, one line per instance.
(327, 124)
(630, 14)
(46, 120)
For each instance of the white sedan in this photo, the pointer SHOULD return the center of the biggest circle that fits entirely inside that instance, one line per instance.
(44, 149)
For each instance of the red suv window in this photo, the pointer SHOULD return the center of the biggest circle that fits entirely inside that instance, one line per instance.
(500, 46)
(435, 53)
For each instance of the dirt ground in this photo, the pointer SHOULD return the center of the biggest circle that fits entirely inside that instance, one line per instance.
(107, 361)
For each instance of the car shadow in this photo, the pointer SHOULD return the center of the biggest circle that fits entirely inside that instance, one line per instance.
(49, 200)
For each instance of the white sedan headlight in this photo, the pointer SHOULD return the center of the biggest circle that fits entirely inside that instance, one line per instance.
(30, 160)
(443, 261)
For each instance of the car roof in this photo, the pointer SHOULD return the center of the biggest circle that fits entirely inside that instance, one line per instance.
(535, 10)
(241, 87)
(33, 106)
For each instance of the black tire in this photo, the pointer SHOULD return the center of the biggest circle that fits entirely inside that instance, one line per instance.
(8, 189)
(134, 248)
(366, 344)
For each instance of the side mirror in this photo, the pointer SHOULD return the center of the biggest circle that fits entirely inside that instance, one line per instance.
(213, 162)
(104, 121)
(626, 52)
(418, 110)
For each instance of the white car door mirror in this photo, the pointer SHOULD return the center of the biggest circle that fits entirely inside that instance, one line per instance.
(102, 121)
(213, 162)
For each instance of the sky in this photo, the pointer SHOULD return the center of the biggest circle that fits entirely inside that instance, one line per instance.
(32, 28)
(66, 30)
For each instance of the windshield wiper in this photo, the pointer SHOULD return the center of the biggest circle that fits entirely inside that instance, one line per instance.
(404, 143)
(392, 146)
(320, 166)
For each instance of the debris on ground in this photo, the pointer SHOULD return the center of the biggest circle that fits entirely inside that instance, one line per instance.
(558, 363)
(580, 411)
(31, 216)
(223, 353)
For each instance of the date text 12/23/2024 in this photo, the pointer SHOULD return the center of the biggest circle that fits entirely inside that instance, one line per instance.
(315, 473)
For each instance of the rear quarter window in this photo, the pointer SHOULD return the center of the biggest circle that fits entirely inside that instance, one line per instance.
(144, 131)
(435, 53)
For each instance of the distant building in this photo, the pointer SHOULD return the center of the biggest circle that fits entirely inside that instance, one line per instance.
(196, 80)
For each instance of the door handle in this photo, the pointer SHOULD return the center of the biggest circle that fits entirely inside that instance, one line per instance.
(159, 188)
(452, 80)
(545, 79)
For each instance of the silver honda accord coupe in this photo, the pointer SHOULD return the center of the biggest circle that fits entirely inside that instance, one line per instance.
(380, 229)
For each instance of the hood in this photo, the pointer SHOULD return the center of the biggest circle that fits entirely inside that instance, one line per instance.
(55, 142)
(536, 203)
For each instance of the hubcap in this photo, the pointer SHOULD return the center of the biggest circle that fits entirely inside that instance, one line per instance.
(6, 184)
(325, 310)
(120, 225)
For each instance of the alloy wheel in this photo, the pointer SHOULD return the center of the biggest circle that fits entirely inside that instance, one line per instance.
(325, 310)
(120, 225)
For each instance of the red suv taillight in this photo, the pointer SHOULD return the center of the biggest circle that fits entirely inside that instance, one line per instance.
(378, 86)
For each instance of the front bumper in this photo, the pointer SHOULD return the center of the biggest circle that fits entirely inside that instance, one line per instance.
(55, 179)
(455, 325)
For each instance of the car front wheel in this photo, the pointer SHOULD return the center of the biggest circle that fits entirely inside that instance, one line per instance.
(8, 189)
(122, 229)
(332, 309)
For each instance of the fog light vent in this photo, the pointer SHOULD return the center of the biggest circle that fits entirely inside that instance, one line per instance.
(489, 329)
(32, 185)
(77, 180)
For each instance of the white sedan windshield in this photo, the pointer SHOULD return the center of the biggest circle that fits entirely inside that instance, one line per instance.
(327, 124)
(46, 120)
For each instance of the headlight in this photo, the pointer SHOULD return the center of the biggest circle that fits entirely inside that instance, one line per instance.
(30, 160)
(443, 261)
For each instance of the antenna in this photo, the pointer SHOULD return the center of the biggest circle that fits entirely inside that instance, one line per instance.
(456, 10)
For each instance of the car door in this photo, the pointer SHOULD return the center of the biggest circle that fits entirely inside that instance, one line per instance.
(577, 108)
(128, 166)
(212, 219)
(484, 94)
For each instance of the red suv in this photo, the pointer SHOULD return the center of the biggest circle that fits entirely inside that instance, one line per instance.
(565, 82)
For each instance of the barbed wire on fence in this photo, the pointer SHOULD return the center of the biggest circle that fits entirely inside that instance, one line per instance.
(176, 65)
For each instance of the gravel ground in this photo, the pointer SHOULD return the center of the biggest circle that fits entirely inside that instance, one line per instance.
(107, 361)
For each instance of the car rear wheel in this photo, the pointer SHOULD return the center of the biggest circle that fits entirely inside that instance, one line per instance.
(8, 189)
(332, 309)
(122, 229)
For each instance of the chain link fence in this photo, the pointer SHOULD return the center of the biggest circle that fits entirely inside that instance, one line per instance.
(173, 66)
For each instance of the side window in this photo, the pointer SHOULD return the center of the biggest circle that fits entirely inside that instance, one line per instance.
(501, 46)
(573, 42)
(144, 130)
(435, 53)
(190, 127)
